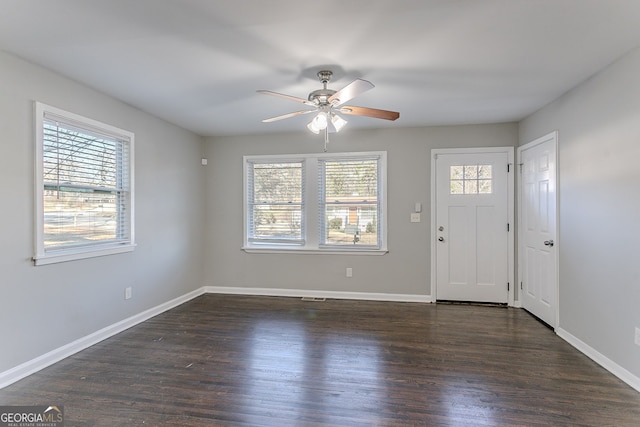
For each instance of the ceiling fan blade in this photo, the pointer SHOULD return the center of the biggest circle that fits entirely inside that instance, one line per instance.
(350, 91)
(289, 97)
(369, 112)
(286, 116)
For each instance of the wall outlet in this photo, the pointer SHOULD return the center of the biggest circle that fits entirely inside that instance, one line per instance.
(637, 336)
(349, 272)
(127, 293)
(415, 217)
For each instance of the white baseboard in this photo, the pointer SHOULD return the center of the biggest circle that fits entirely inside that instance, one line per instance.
(32, 366)
(299, 293)
(600, 359)
(21, 371)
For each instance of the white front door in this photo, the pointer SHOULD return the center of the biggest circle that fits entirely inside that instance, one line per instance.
(472, 224)
(537, 228)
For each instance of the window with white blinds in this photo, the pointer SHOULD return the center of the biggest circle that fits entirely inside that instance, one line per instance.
(275, 202)
(84, 187)
(349, 203)
(326, 202)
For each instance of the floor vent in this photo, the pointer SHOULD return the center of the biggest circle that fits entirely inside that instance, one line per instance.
(313, 299)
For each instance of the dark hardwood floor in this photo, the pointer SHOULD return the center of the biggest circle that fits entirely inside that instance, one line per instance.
(253, 361)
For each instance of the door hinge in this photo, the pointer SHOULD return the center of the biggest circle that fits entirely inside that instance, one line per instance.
(521, 165)
(508, 167)
(508, 227)
(520, 285)
(508, 286)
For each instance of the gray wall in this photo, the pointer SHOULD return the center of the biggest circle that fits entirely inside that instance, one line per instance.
(43, 308)
(189, 217)
(404, 270)
(599, 191)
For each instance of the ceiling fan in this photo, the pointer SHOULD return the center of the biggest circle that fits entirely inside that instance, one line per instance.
(327, 103)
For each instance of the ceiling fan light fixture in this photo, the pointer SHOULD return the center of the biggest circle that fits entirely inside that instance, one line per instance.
(318, 123)
(312, 128)
(338, 122)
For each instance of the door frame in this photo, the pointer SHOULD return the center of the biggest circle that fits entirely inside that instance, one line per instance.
(551, 136)
(510, 207)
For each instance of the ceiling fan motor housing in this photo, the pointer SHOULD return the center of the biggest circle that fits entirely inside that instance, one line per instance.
(320, 96)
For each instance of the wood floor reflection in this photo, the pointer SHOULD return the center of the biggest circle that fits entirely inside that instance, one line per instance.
(264, 361)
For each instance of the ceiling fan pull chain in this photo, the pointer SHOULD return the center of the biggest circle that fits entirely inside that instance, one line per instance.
(326, 138)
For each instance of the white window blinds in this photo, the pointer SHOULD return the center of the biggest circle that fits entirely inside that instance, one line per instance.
(85, 184)
(327, 203)
(275, 202)
(349, 200)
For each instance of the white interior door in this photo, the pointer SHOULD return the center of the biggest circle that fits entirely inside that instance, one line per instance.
(538, 228)
(472, 225)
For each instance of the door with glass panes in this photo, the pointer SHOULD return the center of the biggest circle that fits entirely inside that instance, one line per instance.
(472, 226)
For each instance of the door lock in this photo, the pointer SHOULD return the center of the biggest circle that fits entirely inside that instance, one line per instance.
(548, 243)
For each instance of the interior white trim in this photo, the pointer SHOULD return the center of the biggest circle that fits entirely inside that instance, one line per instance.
(254, 250)
(82, 253)
(32, 366)
(275, 292)
(600, 359)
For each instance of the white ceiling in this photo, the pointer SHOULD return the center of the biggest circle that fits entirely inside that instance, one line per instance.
(198, 63)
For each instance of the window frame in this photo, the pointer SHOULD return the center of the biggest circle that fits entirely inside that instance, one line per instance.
(266, 242)
(463, 180)
(311, 205)
(44, 256)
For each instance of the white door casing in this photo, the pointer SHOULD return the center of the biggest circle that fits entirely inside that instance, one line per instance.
(537, 231)
(472, 225)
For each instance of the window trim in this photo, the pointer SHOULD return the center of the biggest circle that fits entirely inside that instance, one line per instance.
(311, 212)
(254, 241)
(43, 257)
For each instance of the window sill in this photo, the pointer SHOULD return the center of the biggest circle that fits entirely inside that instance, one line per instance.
(77, 254)
(298, 251)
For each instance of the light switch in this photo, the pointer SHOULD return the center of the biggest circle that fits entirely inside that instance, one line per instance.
(418, 207)
(415, 217)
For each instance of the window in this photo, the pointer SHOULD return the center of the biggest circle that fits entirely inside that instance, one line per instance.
(275, 202)
(84, 187)
(349, 202)
(325, 203)
(471, 179)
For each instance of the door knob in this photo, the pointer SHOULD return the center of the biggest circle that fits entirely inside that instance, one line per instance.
(548, 243)
(440, 239)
